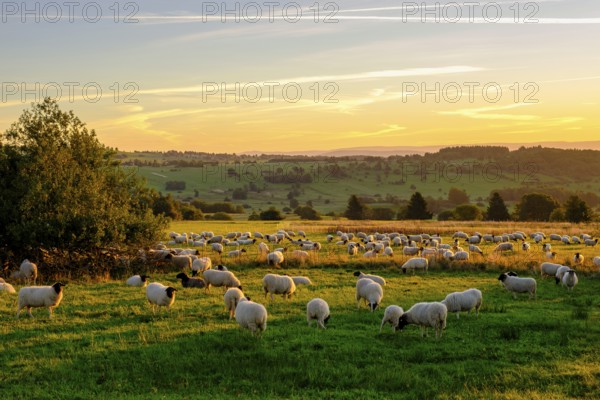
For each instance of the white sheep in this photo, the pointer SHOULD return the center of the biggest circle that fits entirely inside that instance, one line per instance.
(546, 247)
(7, 287)
(301, 280)
(217, 247)
(475, 249)
(236, 253)
(548, 268)
(591, 242)
(525, 246)
(578, 259)
(181, 262)
(425, 315)
(375, 278)
(40, 296)
(516, 285)
(317, 309)
(138, 280)
(352, 249)
(464, 301)
(200, 265)
(504, 247)
(551, 255)
(560, 272)
(217, 278)
(27, 270)
(278, 284)
(388, 251)
(275, 258)
(415, 263)
(369, 291)
(461, 256)
(411, 251)
(569, 279)
(252, 316)
(232, 297)
(391, 315)
(300, 255)
(159, 295)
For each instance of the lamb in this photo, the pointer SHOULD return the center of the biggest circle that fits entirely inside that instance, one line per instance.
(275, 258)
(370, 291)
(232, 297)
(218, 278)
(188, 282)
(159, 295)
(374, 278)
(200, 265)
(391, 315)
(415, 263)
(6, 287)
(516, 285)
(318, 309)
(578, 259)
(181, 262)
(549, 269)
(138, 280)
(27, 271)
(425, 315)
(301, 280)
(464, 301)
(278, 284)
(569, 279)
(504, 247)
(252, 316)
(40, 296)
(560, 272)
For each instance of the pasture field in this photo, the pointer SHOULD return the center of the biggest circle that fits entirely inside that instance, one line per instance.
(105, 342)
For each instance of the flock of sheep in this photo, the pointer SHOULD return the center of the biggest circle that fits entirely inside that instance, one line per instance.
(369, 288)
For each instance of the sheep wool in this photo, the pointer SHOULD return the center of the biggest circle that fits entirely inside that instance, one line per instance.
(369, 291)
(40, 296)
(317, 309)
(159, 295)
(27, 270)
(301, 280)
(425, 315)
(463, 301)
(181, 262)
(516, 285)
(375, 278)
(201, 264)
(569, 279)
(251, 316)
(231, 298)
(560, 272)
(415, 263)
(278, 284)
(188, 282)
(7, 287)
(548, 268)
(138, 280)
(275, 258)
(219, 278)
(391, 316)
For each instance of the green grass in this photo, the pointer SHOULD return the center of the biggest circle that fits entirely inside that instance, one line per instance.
(104, 342)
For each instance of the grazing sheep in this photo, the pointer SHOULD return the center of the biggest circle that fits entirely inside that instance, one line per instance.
(391, 315)
(464, 301)
(525, 246)
(300, 255)
(504, 247)
(369, 291)
(566, 239)
(138, 280)
(219, 278)
(575, 240)
(317, 309)
(275, 258)
(560, 272)
(232, 297)
(301, 280)
(475, 249)
(159, 295)
(516, 285)
(460, 256)
(590, 242)
(388, 251)
(27, 270)
(222, 268)
(40, 296)
(549, 269)
(375, 278)
(569, 279)
(200, 265)
(252, 316)
(546, 247)
(181, 262)
(554, 236)
(263, 248)
(415, 263)
(411, 251)
(278, 284)
(6, 287)
(217, 247)
(550, 255)
(188, 282)
(236, 253)
(425, 315)
(352, 249)
(578, 259)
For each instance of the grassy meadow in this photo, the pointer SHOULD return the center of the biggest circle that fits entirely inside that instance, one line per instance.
(105, 342)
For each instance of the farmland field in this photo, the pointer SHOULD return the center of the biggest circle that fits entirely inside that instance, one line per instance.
(105, 342)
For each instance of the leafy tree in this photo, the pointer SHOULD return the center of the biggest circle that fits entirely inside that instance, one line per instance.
(446, 215)
(497, 210)
(191, 213)
(535, 207)
(240, 194)
(417, 208)
(254, 216)
(468, 212)
(383, 214)
(307, 212)
(457, 196)
(356, 210)
(577, 210)
(557, 215)
(272, 214)
(166, 206)
(60, 187)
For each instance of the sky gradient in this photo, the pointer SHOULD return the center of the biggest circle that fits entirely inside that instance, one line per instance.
(360, 73)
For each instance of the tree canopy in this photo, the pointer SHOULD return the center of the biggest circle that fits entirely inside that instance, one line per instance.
(497, 210)
(417, 208)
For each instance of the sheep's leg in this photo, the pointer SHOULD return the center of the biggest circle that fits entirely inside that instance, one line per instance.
(29, 312)
(321, 324)
(49, 312)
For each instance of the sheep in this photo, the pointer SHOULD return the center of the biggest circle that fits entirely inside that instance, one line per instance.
(300, 255)
(425, 315)
(504, 247)
(370, 254)
(596, 261)
(188, 282)
(525, 246)
(278, 284)
(391, 315)
(575, 240)
(218, 278)
(6, 287)
(388, 251)
(301, 280)
(475, 249)
(560, 272)
(516, 285)
(463, 301)
(476, 239)
(236, 253)
(460, 235)
(40, 296)
(181, 262)
(569, 279)
(252, 316)
(590, 242)
(460, 256)
(550, 255)
(159, 295)
(222, 268)
(411, 251)
(554, 236)
(275, 258)
(549, 269)
(369, 291)
(217, 247)
(415, 263)
(546, 247)
(232, 297)
(200, 265)
(578, 259)
(138, 280)
(318, 309)
(352, 249)
(566, 239)
(27, 270)
(374, 278)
